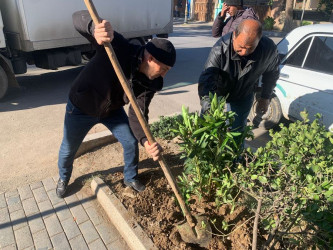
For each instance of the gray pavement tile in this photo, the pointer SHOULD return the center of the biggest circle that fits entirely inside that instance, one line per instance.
(36, 223)
(14, 203)
(53, 197)
(108, 233)
(30, 206)
(97, 244)
(55, 178)
(2, 201)
(18, 219)
(78, 243)
(4, 216)
(42, 240)
(62, 211)
(25, 192)
(6, 236)
(60, 241)
(29, 248)
(118, 245)
(86, 200)
(40, 194)
(89, 232)
(53, 225)
(71, 228)
(77, 211)
(49, 184)
(94, 215)
(11, 193)
(23, 238)
(10, 247)
(72, 199)
(46, 209)
(35, 185)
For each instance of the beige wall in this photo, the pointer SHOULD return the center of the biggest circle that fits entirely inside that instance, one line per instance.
(309, 5)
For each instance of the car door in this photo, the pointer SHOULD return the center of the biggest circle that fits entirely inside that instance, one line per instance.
(306, 78)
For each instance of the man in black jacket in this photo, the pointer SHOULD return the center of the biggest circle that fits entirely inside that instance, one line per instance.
(233, 68)
(237, 14)
(98, 97)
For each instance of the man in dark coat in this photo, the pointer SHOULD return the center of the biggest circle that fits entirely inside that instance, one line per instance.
(234, 8)
(98, 97)
(233, 68)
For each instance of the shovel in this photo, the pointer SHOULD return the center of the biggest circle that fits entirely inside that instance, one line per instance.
(196, 230)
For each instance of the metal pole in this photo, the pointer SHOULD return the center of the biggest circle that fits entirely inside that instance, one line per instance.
(303, 9)
(186, 12)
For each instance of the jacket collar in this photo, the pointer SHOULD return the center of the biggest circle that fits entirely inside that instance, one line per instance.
(144, 81)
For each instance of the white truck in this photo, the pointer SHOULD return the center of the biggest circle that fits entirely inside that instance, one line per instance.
(41, 33)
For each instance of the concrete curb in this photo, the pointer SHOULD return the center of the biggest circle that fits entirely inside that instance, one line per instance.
(95, 140)
(128, 228)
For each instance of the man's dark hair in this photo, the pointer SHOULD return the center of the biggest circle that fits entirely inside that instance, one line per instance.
(234, 2)
(242, 27)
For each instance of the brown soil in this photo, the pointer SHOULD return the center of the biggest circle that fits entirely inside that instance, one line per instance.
(156, 210)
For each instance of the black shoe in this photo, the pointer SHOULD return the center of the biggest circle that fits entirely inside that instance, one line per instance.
(136, 185)
(61, 188)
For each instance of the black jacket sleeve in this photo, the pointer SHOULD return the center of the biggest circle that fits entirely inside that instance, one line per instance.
(143, 101)
(271, 75)
(209, 77)
(84, 25)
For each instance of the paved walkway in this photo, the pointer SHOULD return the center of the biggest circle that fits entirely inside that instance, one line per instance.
(33, 217)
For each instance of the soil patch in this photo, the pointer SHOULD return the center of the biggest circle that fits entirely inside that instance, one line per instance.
(156, 209)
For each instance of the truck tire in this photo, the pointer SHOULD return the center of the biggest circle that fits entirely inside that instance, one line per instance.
(272, 116)
(88, 55)
(137, 41)
(3, 82)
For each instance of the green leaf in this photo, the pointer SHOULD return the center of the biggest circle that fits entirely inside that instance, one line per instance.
(316, 197)
(200, 130)
(262, 179)
(309, 178)
(328, 193)
(313, 151)
(254, 177)
(315, 168)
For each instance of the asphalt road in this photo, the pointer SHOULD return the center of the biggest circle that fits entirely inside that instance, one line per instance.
(32, 117)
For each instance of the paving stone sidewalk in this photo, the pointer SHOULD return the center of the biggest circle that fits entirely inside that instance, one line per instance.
(33, 217)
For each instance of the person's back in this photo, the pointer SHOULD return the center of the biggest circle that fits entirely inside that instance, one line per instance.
(237, 14)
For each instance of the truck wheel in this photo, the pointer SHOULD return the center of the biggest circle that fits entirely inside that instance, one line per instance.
(3, 82)
(88, 55)
(137, 41)
(272, 116)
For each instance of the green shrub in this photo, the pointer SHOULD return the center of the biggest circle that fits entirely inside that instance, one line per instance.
(209, 147)
(164, 128)
(306, 23)
(293, 178)
(269, 23)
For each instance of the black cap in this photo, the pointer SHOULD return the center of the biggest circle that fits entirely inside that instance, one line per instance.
(162, 50)
(234, 2)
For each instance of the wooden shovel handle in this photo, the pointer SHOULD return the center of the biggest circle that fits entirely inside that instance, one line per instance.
(129, 92)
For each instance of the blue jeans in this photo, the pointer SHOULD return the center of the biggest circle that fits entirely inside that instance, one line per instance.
(77, 125)
(242, 109)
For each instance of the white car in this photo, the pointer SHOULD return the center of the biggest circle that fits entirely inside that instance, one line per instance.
(306, 77)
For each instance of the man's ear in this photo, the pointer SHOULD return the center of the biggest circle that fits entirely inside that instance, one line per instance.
(233, 35)
(150, 58)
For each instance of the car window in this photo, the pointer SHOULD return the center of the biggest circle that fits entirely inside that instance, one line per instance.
(297, 57)
(320, 56)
